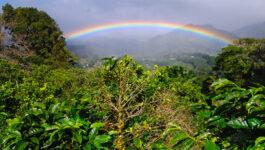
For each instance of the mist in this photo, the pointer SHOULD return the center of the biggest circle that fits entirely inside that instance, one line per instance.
(72, 15)
(232, 18)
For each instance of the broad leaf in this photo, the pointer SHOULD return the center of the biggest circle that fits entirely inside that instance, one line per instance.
(178, 138)
(97, 125)
(21, 145)
(137, 142)
(78, 137)
(87, 147)
(220, 83)
(188, 144)
(102, 138)
(254, 122)
(253, 100)
(35, 140)
(93, 133)
(209, 145)
(238, 123)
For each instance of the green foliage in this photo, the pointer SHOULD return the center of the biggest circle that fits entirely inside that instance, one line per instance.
(36, 31)
(60, 104)
(198, 62)
(57, 126)
(236, 115)
(243, 62)
(10, 72)
(121, 105)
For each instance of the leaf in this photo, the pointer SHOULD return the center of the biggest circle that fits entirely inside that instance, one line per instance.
(209, 145)
(218, 97)
(78, 137)
(175, 139)
(21, 145)
(55, 107)
(182, 143)
(254, 122)
(12, 121)
(170, 130)
(93, 133)
(232, 95)
(34, 131)
(46, 144)
(2, 113)
(87, 147)
(220, 83)
(97, 125)
(167, 131)
(35, 140)
(51, 127)
(214, 118)
(205, 114)
(159, 147)
(245, 93)
(175, 125)
(254, 99)
(97, 145)
(112, 132)
(238, 123)
(259, 140)
(203, 135)
(7, 138)
(221, 123)
(53, 133)
(137, 142)
(102, 138)
(188, 144)
(223, 108)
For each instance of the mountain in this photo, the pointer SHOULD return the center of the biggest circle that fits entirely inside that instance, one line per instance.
(252, 31)
(179, 41)
(172, 42)
(102, 47)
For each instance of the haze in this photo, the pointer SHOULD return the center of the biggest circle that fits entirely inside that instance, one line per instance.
(72, 15)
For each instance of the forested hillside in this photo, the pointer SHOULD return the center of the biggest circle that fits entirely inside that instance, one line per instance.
(174, 41)
(48, 103)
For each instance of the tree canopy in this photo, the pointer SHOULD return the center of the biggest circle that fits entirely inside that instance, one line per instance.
(243, 62)
(35, 31)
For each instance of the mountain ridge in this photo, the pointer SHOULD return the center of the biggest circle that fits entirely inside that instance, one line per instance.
(173, 41)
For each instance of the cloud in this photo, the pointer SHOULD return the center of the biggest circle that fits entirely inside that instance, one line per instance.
(75, 14)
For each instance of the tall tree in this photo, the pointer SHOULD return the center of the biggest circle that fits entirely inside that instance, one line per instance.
(36, 31)
(243, 62)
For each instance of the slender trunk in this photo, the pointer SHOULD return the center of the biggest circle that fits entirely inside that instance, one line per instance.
(120, 143)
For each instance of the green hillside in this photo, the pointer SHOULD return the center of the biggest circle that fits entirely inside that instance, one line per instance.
(48, 101)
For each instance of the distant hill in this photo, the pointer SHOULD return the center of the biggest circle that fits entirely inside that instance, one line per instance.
(252, 31)
(177, 41)
(102, 47)
(171, 42)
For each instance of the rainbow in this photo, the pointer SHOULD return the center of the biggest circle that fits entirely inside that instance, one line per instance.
(113, 26)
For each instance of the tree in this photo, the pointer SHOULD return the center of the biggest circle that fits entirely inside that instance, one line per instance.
(36, 32)
(1, 34)
(243, 62)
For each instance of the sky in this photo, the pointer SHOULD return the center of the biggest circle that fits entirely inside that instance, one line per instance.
(72, 15)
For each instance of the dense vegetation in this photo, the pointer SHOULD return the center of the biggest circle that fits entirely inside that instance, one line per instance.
(47, 103)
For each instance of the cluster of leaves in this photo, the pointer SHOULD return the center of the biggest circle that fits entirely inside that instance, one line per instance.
(36, 38)
(43, 110)
(58, 126)
(120, 105)
(47, 106)
(243, 62)
(237, 115)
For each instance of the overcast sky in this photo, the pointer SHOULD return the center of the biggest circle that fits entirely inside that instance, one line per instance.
(76, 14)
